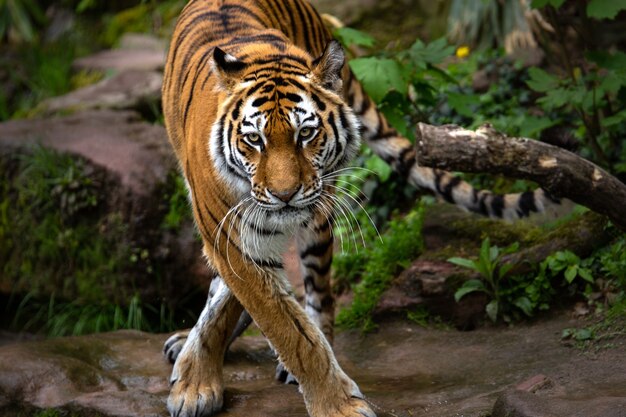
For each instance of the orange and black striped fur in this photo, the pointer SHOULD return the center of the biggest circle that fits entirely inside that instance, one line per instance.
(263, 114)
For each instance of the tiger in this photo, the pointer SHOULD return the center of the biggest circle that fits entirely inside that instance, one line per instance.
(263, 114)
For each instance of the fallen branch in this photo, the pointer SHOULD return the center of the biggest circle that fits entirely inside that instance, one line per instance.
(559, 172)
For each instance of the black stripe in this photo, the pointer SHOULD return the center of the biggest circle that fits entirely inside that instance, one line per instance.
(449, 188)
(306, 25)
(322, 227)
(314, 307)
(311, 286)
(230, 8)
(260, 101)
(203, 62)
(527, 203)
(321, 269)
(301, 330)
(235, 113)
(317, 249)
(268, 263)
(319, 103)
(497, 205)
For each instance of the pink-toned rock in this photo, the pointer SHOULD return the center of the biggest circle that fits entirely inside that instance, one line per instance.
(128, 89)
(136, 52)
(403, 369)
(136, 152)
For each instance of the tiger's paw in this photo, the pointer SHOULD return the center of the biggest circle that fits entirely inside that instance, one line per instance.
(174, 344)
(284, 376)
(355, 407)
(193, 399)
(196, 388)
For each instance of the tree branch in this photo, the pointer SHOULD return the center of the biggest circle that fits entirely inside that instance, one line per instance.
(559, 172)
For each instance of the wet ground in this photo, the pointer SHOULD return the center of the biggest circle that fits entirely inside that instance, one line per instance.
(405, 370)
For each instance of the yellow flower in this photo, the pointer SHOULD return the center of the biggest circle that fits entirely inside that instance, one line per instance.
(462, 51)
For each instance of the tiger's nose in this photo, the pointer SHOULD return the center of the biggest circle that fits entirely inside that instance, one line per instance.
(284, 195)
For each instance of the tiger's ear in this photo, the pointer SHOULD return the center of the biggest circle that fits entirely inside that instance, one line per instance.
(327, 68)
(228, 68)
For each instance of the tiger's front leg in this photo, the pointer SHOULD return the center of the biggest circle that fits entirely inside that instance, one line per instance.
(196, 380)
(300, 344)
(315, 248)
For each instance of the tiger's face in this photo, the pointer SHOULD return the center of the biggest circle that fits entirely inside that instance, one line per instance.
(284, 131)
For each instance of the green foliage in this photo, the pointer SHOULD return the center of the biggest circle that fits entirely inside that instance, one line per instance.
(58, 318)
(376, 265)
(598, 335)
(488, 265)
(20, 19)
(348, 36)
(146, 17)
(42, 71)
(49, 213)
(591, 93)
(179, 209)
(422, 317)
(567, 263)
(605, 9)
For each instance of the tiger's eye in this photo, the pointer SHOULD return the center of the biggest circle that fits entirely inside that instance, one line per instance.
(254, 139)
(305, 133)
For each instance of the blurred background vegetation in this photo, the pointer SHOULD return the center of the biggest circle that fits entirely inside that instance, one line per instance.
(553, 70)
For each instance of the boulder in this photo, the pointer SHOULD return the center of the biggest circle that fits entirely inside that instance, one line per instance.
(136, 52)
(129, 89)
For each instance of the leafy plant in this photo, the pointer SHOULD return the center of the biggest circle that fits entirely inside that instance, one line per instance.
(592, 87)
(489, 267)
(376, 265)
(178, 203)
(20, 18)
(568, 263)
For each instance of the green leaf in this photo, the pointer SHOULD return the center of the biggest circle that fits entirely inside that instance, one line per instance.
(465, 263)
(535, 4)
(541, 81)
(379, 76)
(434, 53)
(464, 104)
(492, 310)
(585, 274)
(583, 334)
(524, 304)
(379, 166)
(531, 126)
(614, 61)
(469, 286)
(605, 9)
(571, 272)
(349, 36)
(616, 119)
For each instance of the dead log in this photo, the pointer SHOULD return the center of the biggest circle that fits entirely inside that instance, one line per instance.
(559, 172)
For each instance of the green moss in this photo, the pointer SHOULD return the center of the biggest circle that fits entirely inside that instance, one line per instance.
(377, 265)
(177, 198)
(48, 216)
(498, 232)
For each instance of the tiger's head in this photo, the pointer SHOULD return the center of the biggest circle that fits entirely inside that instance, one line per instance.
(283, 127)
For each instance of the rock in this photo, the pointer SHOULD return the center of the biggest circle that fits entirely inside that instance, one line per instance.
(516, 403)
(129, 89)
(431, 284)
(133, 160)
(402, 368)
(142, 41)
(136, 152)
(136, 52)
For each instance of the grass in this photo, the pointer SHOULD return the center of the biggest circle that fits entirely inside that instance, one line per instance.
(67, 255)
(376, 266)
